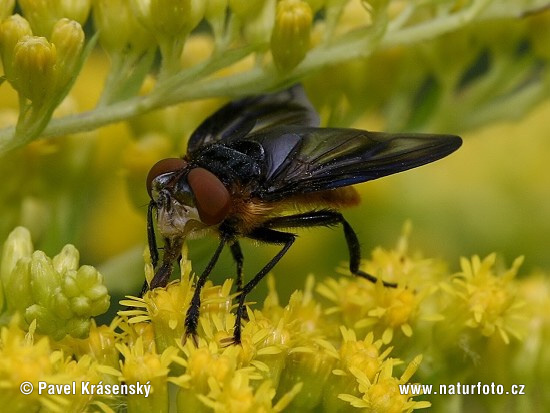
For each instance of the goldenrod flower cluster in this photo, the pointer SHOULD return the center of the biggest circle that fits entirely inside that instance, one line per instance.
(339, 344)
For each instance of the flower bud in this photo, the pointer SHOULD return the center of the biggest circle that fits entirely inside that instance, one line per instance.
(80, 305)
(169, 18)
(70, 287)
(144, 367)
(77, 10)
(259, 26)
(34, 66)
(290, 37)
(6, 8)
(101, 345)
(18, 287)
(77, 327)
(196, 14)
(246, 9)
(119, 29)
(12, 30)
(17, 246)
(92, 298)
(62, 306)
(67, 259)
(215, 9)
(44, 14)
(46, 322)
(68, 38)
(310, 366)
(170, 21)
(45, 280)
(215, 13)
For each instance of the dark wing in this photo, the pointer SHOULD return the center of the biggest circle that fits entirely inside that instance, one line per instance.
(303, 159)
(255, 114)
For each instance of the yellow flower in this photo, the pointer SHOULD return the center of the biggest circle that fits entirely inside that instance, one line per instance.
(382, 394)
(146, 368)
(83, 370)
(401, 266)
(395, 309)
(303, 316)
(205, 362)
(220, 378)
(99, 345)
(164, 307)
(364, 355)
(239, 396)
(22, 359)
(487, 300)
(310, 365)
(362, 305)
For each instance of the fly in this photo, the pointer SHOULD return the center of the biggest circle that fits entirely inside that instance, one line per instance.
(260, 166)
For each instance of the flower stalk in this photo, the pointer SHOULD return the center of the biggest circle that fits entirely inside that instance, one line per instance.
(195, 82)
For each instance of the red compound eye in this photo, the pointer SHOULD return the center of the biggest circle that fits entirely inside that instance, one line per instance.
(162, 167)
(211, 196)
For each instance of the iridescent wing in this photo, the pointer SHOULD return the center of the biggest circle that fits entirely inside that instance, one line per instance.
(304, 159)
(254, 114)
(277, 134)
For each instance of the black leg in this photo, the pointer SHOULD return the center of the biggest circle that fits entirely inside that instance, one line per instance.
(162, 275)
(153, 249)
(328, 218)
(172, 250)
(239, 258)
(272, 237)
(192, 316)
(151, 240)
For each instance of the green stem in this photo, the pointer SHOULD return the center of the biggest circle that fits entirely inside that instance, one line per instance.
(186, 85)
(171, 51)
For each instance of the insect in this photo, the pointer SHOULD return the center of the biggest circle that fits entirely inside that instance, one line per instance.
(262, 165)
